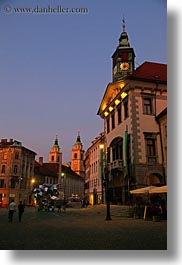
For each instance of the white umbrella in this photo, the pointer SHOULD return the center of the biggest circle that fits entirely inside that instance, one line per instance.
(162, 189)
(144, 190)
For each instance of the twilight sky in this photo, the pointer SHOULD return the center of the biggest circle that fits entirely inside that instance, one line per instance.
(54, 67)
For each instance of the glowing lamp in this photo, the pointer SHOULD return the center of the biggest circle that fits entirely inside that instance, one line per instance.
(123, 95)
(117, 101)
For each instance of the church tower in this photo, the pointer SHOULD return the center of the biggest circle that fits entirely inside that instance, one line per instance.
(77, 163)
(55, 156)
(123, 57)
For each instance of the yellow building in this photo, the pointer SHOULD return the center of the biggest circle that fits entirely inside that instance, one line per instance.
(94, 166)
(16, 171)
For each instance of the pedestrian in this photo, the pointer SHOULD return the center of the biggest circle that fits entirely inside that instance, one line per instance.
(12, 209)
(86, 203)
(21, 208)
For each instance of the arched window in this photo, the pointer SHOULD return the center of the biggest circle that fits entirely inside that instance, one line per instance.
(75, 156)
(15, 170)
(3, 170)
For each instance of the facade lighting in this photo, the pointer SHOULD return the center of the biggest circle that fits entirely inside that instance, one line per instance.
(111, 108)
(117, 101)
(106, 113)
(123, 95)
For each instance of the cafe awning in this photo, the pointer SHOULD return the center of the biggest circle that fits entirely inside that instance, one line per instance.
(144, 190)
(162, 189)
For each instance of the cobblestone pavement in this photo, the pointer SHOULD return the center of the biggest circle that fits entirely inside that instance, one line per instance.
(81, 229)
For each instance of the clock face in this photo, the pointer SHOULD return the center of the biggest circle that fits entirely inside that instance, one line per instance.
(124, 66)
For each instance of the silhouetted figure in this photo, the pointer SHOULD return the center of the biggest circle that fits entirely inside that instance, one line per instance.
(21, 208)
(12, 209)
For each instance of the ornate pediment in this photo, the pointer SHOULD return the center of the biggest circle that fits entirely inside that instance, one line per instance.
(112, 90)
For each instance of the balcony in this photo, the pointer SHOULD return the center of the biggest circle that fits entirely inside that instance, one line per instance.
(116, 164)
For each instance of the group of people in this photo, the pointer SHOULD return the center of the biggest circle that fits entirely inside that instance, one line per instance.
(85, 203)
(12, 209)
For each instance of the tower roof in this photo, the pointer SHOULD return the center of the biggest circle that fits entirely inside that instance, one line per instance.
(78, 140)
(56, 144)
(123, 40)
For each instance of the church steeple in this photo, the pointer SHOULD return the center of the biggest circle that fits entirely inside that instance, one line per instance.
(123, 57)
(77, 163)
(78, 140)
(55, 155)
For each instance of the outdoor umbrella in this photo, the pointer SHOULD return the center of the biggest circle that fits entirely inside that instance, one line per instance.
(162, 189)
(144, 190)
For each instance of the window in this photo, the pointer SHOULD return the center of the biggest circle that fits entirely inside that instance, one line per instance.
(58, 159)
(5, 156)
(151, 153)
(113, 121)
(75, 156)
(2, 183)
(108, 125)
(119, 114)
(52, 158)
(12, 183)
(147, 106)
(117, 150)
(126, 114)
(3, 170)
(15, 170)
(16, 155)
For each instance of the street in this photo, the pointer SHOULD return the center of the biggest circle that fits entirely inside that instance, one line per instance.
(81, 229)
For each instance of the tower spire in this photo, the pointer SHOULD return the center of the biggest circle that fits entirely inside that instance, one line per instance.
(56, 141)
(124, 26)
(78, 140)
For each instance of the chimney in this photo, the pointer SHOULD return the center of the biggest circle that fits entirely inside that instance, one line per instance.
(11, 140)
(4, 141)
(41, 160)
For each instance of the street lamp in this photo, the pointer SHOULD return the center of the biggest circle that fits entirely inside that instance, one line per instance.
(62, 177)
(106, 180)
(32, 182)
(101, 146)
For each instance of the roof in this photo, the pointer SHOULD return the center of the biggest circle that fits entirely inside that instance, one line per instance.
(150, 71)
(162, 114)
(53, 168)
(14, 143)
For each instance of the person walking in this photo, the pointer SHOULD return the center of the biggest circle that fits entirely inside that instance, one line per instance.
(12, 209)
(21, 208)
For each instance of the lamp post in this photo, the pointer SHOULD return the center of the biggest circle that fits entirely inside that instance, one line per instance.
(101, 146)
(106, 179)
(31, 187)
(62, 177)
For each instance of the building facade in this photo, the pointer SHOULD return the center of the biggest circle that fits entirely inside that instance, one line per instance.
(94, 189)
(16, 172)
(129, 109)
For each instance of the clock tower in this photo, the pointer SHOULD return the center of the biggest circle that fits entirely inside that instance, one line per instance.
(123, 57)
(77, 163)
